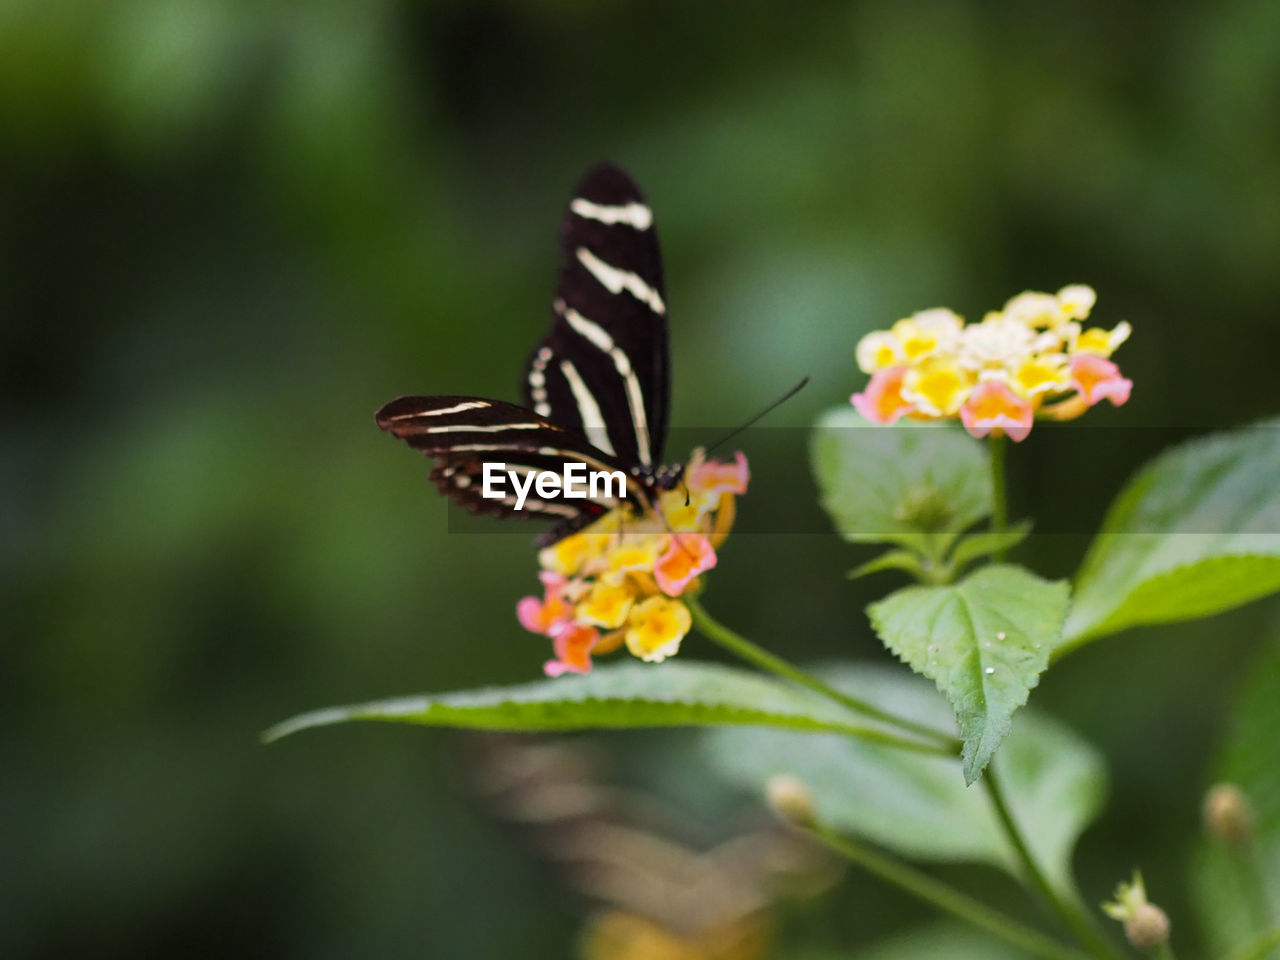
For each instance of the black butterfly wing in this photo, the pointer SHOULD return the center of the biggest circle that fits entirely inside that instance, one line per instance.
(604, 369)
(463, 433)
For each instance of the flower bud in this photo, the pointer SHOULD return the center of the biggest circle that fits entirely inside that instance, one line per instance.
(1228, 815)
(790, 800)
(1147, 926)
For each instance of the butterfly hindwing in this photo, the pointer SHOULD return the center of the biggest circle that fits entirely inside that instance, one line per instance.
(604, 369)
(463, 433)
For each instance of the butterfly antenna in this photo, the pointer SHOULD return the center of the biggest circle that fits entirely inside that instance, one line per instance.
(759, 416)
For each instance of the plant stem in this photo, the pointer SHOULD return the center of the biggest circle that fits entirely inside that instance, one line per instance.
(946, 898)
(1077, 921)
(885, 738)
(1250, 869)
(999, 506)
(744, 649)
(1259, 948)
(1165, 952)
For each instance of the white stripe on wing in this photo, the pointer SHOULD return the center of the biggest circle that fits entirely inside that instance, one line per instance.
(615, 281)
(632, 214)
(592, 419)
(597, 335)
(486, 428)
(456, 408)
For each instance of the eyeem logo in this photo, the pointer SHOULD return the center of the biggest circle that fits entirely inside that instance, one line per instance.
(575, 483)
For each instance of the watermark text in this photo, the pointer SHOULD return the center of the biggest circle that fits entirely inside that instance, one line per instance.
(575, 482)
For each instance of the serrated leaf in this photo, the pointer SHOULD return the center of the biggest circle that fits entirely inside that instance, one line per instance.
(916, 485)
(978, 545)
(984, 641)
(916, 805)
(627, 694)
(1196, 532)
(1238, 891)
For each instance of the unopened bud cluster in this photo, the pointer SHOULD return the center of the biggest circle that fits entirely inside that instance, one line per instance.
(1228, 815)
(1145, 925)
(790, 800)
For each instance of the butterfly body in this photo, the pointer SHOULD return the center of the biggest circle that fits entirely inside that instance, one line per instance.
(596, 387)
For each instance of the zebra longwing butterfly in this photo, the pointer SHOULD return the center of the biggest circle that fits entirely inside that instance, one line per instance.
(596, 388)
(652, 892)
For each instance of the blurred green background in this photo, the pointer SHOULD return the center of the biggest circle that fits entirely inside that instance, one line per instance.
(230, 230)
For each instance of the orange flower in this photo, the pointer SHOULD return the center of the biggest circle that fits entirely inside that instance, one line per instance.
(882, 401)
(1029, 359)
(993, 408)
(688, 555)
(1099, 379)
(623, 573)
(572, 645)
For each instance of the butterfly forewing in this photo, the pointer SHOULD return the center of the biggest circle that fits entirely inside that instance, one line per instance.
(603, 370)
(596, 387)
(463, 433)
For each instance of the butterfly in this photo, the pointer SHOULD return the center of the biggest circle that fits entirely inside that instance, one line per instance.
(659, 883)
(596, 387)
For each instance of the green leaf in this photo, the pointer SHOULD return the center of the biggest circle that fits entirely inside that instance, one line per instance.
(915, 804)
(1238, 891)
(939, 941)
(984, 641)
(1197, 531)
(891, 560)
(978, 545)
(944, 941)
(626, 694)
(915, 485)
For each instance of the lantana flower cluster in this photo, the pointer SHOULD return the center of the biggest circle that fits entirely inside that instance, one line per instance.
(618, 582)
(1034, 358)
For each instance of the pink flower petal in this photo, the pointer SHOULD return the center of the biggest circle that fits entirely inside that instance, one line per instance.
(716, 476)
(547, 615)
(1098, 378)
(529, 613)
(573, 646)
(882, 401)
(993, 406)
(688, 555)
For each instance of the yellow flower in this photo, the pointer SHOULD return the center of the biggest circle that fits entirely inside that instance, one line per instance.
(937, 388)
(635, 552)
(1029, 360)
(1102, 342)
(1041, 375)
(658, 624)
(607, 605)
(1035, 309)
(1047, 310)
(879, 350)
(926, 332)
(614, 583)
(1076, 300)
(687, 517)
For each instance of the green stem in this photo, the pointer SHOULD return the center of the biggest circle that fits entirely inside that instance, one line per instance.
(1250, 869)
(1077, 921)
(999, 505)
(1259, 948)
(946, 898)
(1164, 952)
(744, 649)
